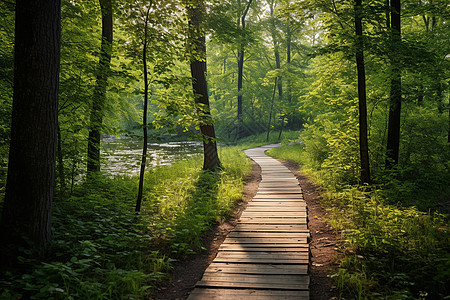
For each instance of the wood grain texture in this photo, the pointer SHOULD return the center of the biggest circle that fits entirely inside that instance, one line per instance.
(266, 256)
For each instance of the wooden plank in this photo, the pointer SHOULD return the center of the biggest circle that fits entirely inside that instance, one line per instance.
(267, 234)
(276, 173)
(261, 240)
(288, 279)
(280, 191)
(279, 184)
(257, 269)
(279, 188)
(297, 221)
(237, 247)
(271, 214)
(277, 196)
(291, 180)
(271, 228)
(251, 285)
(269, 174)
(276, 209)
(279, 228)
(264, 248)
(262, 261)
(275, 254)
(277, 203)
(265, 204)
(248, 247)
(244, 294)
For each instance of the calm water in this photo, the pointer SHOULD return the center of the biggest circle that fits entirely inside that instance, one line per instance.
(122, 156)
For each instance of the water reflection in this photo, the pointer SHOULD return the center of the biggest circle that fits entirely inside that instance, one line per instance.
(122, 156)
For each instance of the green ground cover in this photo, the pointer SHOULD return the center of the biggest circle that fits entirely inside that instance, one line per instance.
(102, 250)
(391, 250)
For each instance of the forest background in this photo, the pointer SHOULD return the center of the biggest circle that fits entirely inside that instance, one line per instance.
(279, 70)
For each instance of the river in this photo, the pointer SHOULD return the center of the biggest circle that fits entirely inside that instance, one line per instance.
(122, 156)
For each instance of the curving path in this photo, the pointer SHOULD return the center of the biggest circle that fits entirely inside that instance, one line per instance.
(266, 256)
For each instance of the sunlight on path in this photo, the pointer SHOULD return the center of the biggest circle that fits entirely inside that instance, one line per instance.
(266, 256)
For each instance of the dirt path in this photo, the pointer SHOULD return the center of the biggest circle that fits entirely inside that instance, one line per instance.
(323, 244)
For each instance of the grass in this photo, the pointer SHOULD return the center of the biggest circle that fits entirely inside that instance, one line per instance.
(390, 251)
(102, 250)
(261, 139)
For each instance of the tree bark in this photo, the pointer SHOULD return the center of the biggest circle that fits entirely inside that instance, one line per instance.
(241, 70)
(196, 12)
(144, 116)
(291, 118)
(99, 96)
(271, 109)
(276, 50)
(32, 156)
(360, 66)
(395, 98)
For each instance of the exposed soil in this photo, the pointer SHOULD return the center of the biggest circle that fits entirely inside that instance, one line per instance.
(323, 244)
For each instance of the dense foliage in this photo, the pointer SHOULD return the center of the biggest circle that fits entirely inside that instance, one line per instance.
(102, 250)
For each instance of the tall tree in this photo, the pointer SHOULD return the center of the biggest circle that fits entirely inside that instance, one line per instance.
(196, 12)
(99, 97)
(31, 169)
(241, 54)
(276, 46)
(360, 66)
(144, 115)
(395, 98)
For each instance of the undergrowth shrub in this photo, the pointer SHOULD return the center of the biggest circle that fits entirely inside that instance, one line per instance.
(391, 251)
(102, 250)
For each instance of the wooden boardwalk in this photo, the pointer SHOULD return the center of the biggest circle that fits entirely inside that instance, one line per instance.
(266, 256)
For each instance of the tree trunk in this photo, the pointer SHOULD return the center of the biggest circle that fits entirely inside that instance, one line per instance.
(241, 70)
(291, 115)
(288, 59)
(271, 109)
(395, 99)
(32, 155)
(99, 96)
(275, 47)
(363, 143)
(144, 116)
(239, 97)
(281, 128)
(196, 12)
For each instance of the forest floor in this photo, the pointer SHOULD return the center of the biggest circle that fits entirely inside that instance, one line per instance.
(323, 244)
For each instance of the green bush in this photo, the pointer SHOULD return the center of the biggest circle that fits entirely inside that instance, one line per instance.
(391, 251)
(102, 250)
